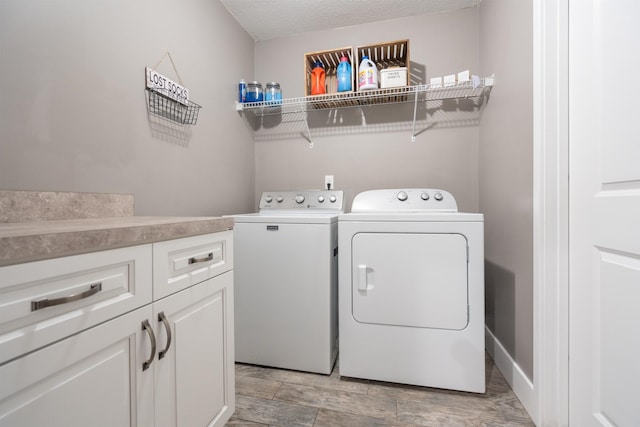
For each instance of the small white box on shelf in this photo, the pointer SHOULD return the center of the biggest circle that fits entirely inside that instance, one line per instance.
(436, 82)
(488, 81)
(393, 77)
(450, 80)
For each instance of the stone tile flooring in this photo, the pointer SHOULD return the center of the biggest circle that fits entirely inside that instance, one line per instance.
(278, 397)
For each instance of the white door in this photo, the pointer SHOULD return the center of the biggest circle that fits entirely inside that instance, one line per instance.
(604, 169)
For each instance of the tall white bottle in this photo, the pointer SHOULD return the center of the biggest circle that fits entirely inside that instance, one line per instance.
(367, 74)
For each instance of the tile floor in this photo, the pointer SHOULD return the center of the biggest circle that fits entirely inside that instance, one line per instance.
(278, 397)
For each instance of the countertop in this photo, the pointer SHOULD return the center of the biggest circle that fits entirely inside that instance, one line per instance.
(37, 240)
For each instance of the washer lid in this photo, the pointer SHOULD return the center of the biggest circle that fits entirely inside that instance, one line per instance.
(287, 218)
(405, 200)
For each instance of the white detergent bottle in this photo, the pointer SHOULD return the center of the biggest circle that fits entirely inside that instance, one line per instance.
(367, 74)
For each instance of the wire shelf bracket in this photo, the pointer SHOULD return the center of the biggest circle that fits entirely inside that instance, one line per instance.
(306, 123)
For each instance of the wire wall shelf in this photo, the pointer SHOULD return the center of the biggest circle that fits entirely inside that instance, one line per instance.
(477, 90)
(403, 94)
(161, 103)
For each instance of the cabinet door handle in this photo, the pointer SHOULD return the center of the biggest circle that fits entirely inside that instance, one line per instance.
(147, 327)
(194, 260)
(162, 318)
(46, 302)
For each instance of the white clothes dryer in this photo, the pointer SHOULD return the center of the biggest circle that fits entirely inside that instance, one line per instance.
(411, 290)
(286, 281)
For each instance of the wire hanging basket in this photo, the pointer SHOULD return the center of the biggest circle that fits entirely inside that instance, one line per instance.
(162, 103)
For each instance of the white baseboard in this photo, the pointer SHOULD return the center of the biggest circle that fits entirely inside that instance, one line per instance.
(521, 385)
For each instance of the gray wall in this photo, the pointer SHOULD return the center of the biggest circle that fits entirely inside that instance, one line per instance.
(73, 113)
(506, 174)
(379, 155)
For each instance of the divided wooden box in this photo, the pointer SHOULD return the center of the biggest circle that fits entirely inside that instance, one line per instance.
(386, 56)
(330, 59)
(393, 55)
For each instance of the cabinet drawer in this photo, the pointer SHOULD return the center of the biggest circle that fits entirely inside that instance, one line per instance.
(44, 301)
(180, 263)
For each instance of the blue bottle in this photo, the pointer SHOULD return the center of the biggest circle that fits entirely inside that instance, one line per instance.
(242, 91)
(344, 75)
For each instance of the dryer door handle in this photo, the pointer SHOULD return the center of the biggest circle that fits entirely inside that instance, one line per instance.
(362, 277)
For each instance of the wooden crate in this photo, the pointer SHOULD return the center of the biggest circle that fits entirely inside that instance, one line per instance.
(385, 55)
(331, 60)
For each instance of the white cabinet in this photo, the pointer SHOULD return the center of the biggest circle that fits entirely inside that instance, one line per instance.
(120, 356)
(194, 370)
(94, 378)
(193, 294)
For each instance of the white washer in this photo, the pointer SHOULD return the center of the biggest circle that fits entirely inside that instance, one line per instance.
(411, 290)
(286, 281)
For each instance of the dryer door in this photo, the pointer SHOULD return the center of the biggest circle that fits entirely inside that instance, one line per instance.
(410, 279)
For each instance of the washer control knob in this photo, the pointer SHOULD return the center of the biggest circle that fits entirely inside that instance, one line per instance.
(299, 198)
(402, 196)
(268, 199)
(332, 199)
(438, 196)
(424, 196)
(320, 199)
(279, 199)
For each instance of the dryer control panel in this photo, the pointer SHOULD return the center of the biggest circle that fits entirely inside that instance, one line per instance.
(405, 200)
(302, 201)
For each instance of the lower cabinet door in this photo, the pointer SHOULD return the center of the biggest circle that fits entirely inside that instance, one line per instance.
(94, 378)
(194, 370)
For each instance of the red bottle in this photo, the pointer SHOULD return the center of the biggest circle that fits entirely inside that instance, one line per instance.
(317, 79)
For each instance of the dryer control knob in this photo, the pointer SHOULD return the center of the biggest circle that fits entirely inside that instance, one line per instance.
(332, 199)
(402, 196)
(424, 196)
(268, 199)
(299, 198)
(438, 196)
(279, 199)
(320, 199)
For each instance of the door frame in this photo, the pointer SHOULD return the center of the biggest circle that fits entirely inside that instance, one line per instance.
(551, 211)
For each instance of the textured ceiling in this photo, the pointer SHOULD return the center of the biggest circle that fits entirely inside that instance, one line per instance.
(269, 19)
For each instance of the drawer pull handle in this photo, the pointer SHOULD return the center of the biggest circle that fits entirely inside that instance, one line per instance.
(162, 318)
(194, 260)
(46, 302)
(147, 327)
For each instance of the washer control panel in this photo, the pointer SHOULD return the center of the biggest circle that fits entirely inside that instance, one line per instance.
(405, 200)
(306, 200)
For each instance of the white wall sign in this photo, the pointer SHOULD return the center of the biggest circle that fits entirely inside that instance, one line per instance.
(155, 80)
